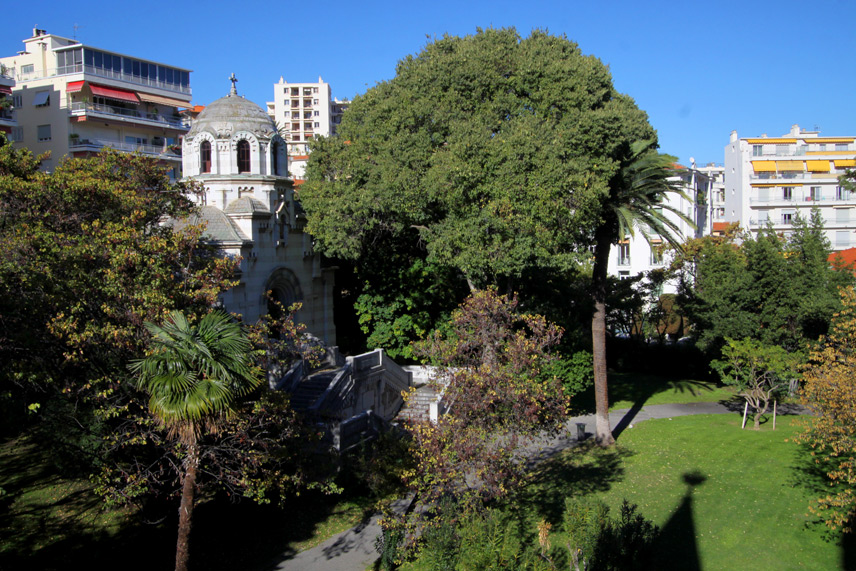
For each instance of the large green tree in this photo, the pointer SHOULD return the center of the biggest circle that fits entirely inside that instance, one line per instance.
(634, 204)
(194, 375)
(490, 154)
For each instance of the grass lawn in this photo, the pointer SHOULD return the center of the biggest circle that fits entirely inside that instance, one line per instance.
(628, 389)
(725, 498)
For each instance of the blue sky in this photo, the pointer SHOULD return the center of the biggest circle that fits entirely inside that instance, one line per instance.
(700, 70)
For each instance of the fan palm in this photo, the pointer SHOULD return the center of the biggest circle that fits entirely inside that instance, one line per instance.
(635, 204)
(193, 377)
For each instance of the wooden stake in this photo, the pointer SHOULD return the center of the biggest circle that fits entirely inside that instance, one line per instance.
(745, 410)
(774, 414)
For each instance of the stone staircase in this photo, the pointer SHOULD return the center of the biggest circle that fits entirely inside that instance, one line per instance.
(311, 388)
(416, 408)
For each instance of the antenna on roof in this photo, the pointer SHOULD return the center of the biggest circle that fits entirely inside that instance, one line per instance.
(76, 27)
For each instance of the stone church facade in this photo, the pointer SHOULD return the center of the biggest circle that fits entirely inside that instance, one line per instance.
(248, 205)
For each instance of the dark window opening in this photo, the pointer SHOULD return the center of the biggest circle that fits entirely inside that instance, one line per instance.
(205, 156)
(243, 156)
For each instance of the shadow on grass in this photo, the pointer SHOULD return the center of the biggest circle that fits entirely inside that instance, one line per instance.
(581, 471)
(54, 523)
(678, 536)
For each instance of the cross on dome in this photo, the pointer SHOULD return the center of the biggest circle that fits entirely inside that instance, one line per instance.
(234, 80)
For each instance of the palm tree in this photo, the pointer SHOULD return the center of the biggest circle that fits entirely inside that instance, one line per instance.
(193, 376)
(635, 203)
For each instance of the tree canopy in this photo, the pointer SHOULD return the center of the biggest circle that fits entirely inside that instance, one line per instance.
(492, 151)
(732, 286)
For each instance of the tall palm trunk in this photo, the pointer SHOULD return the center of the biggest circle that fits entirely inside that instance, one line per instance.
(603, 432)
(185, 510)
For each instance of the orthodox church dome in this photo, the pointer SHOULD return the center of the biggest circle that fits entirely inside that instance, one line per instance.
(232, 114)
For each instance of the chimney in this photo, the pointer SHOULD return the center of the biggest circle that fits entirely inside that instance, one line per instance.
(734, 136)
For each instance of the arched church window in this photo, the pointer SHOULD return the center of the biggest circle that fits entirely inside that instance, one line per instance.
(205, 157)
(243, 156)
(275, 159)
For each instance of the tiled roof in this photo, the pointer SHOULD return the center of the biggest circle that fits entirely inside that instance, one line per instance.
(843, 258)
(219, 228)
(248, 205)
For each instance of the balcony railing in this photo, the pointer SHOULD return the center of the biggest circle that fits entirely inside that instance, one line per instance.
(624, 261)
(803, 200)
(94, 144)
(109, 74)
(79, 108)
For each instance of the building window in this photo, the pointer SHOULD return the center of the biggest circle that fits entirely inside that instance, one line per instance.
(821, 147)
(205, 157)
(295, 91)
(27, 69)
(757, 150)
(243, 156)
(17, 101)
(317, 113)
(624, 254)
(295, 103)
(656, 256)
(782, 150)
(17, 134)
(842, 193)
(314, 90)
(787, 193)
(624, 275)
(787, 218)
(295, 126)
(44, 132)
(840, 146)
(315, 101)
(295, 137)
(815, 193)
(42, 99)
(317, 124)
(275, 158)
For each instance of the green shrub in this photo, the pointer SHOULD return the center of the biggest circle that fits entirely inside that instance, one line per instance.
(596, 543)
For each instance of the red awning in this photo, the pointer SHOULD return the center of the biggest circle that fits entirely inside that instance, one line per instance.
(74, 86)
(113, 93)
(5, 89)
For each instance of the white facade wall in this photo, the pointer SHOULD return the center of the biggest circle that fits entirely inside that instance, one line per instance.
(774, 179)
(636, 256)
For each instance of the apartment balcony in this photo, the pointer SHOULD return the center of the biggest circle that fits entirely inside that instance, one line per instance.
(7, 118)
(109, 74)
(807, 201)
(127, 116)
(164, 152)
(813, 176)
(624, 261)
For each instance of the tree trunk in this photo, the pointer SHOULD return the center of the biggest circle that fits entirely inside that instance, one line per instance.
(603, 432)
(185, 510)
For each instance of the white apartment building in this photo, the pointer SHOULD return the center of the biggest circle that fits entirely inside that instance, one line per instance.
(769, 180)
(72, 99)
(301, 111)
(636, 256)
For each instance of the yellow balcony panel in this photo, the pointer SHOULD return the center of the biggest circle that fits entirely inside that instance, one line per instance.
(759, 185)
(764, 166)
(789, 166)
(817, 166)
(829, 152)
(768, 141)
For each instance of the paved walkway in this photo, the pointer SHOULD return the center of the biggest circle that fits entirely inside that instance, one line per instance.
(354, 550)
